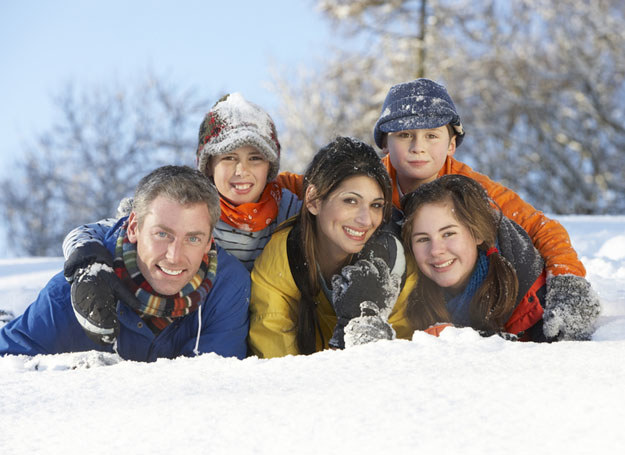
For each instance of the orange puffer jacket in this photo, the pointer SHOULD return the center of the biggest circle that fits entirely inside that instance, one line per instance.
(549, 237)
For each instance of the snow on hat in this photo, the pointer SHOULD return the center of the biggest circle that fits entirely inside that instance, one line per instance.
(234, 122)
(419, 104)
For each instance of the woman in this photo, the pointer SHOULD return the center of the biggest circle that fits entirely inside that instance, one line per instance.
(477, 268)
(347, 197)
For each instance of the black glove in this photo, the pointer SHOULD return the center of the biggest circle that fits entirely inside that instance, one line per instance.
(95, 291)
(365, 281)
(505, 335)
(571, 308)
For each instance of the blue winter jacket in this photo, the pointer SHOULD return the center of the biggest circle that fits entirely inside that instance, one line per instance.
(49, 326)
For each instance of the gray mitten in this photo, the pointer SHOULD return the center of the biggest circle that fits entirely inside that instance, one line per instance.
(369, 326)
(365, 281)
(571, 308)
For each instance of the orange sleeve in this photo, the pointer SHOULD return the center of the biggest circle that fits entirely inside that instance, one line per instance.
(549, 237)
(292, 182)
(436, 329)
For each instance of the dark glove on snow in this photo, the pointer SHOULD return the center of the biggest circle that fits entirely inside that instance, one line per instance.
(365, 281)
(571, 308)
(95, 291)
(505, 335)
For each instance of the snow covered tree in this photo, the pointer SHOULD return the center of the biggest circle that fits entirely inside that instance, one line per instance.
(539, 84)
(103, 141)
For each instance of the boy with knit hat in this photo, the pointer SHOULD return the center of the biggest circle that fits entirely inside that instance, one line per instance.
(419, 130)
(238, 149)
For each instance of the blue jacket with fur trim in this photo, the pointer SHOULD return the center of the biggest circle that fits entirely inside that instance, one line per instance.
(49, 326)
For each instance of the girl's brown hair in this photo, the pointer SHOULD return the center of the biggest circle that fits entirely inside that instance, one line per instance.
(493, 302)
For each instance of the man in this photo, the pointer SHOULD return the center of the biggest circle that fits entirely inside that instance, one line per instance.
(169, 291)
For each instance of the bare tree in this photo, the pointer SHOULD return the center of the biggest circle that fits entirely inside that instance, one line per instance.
(539, 84)
(102, 142)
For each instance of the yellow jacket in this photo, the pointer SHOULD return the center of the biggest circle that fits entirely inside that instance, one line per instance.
(275, 297)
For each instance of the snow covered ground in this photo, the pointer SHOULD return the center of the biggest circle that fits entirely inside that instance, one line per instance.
(458, 394)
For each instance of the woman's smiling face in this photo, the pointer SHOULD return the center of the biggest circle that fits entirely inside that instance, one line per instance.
(348, 217)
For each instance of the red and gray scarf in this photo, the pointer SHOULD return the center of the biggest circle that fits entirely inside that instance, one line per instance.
(157, 310)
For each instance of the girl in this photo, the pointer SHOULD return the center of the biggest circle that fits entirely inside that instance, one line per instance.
(477, 268)
(295, 300)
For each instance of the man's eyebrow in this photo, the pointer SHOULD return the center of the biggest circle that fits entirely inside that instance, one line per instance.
(196, 233)
(171, 231)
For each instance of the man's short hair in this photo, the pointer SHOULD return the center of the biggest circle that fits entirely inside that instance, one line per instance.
(181, 184)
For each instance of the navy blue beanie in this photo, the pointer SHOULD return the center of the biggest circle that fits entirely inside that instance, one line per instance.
(418, 104)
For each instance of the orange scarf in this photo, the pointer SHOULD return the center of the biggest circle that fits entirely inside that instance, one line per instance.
(253, 216)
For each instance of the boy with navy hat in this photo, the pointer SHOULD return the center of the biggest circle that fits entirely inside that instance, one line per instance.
(419, 130)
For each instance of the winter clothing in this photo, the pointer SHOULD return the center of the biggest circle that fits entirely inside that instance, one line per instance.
(572, 308)
(351, 300)
(549, 237)
(418, 104)
(275, 296)
(459, 305)
(220, 324)
(516, 246)
(234, 122)
(148, 302)
(95, 290)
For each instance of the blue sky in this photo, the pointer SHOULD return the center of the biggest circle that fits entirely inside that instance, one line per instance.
(215, 47)
(212, 46)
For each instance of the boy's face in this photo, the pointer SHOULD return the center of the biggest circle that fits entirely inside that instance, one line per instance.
(171, 242)
(419, 155)
(241, 175)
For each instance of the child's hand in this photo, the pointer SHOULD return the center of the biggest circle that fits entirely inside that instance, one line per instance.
(571, 308)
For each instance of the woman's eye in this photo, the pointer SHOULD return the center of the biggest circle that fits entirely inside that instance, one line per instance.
(421, 240)
(349, 200)
(448, 234)
(377, 205)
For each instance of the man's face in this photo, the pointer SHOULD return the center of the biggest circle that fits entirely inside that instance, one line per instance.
(419, 155)
(171, 243)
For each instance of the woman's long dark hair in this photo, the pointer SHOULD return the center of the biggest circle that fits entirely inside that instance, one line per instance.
(493, 302)
(339, 160)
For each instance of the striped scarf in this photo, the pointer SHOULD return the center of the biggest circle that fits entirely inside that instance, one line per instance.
(159, 311)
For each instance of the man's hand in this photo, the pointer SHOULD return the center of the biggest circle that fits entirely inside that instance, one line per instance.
(367, 281)
(571, 308)
(95, 291)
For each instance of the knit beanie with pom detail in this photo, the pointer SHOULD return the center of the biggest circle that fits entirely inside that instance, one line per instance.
(234, 122)
(418, 104)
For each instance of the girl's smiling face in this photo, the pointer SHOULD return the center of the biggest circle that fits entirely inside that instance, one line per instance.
(444, 249)
(241, 175)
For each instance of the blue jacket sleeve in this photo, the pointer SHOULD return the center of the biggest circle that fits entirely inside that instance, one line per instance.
(225, 319)
(48, 326)
(94, 232)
